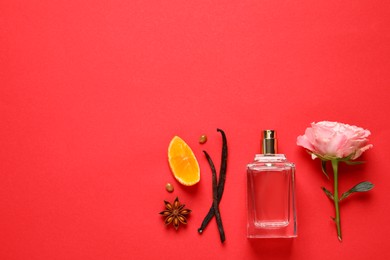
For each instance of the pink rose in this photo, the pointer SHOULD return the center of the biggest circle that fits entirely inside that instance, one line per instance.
(336, 142)
(333, 140)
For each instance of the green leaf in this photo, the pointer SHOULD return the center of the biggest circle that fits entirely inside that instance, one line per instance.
(323, 167)
(354, 162)
(328, 193)
(361, 187)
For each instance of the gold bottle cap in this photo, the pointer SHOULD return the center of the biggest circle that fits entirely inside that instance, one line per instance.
(269, 144)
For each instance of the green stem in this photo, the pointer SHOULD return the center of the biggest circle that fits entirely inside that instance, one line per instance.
(336, 197)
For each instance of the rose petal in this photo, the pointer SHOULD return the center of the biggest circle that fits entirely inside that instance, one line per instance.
(328, 139)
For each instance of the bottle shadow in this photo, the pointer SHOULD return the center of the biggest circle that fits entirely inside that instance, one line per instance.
(273, 248)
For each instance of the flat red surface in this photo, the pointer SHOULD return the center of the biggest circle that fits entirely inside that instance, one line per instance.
(91, 93)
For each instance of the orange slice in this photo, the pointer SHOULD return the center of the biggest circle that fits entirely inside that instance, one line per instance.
(183, 163)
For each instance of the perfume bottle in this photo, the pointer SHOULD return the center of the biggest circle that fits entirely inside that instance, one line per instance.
(271, 193)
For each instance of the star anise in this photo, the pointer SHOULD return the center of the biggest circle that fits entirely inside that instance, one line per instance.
(175, 213)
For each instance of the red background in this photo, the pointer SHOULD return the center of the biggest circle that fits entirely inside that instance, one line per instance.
(92, 92)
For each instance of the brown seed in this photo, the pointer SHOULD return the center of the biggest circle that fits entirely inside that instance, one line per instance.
(202, 139)
(169, 187)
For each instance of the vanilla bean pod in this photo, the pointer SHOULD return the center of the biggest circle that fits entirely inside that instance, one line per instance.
(221, 183)
(215, 198)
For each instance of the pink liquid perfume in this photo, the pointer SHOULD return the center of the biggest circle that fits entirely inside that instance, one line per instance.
(271, 193)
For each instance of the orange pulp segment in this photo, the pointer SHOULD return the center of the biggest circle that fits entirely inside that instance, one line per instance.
(183, 163)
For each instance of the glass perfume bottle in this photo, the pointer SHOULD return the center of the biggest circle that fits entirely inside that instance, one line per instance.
(271, 193)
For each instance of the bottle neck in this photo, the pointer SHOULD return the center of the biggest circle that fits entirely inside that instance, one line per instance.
(270, 157)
